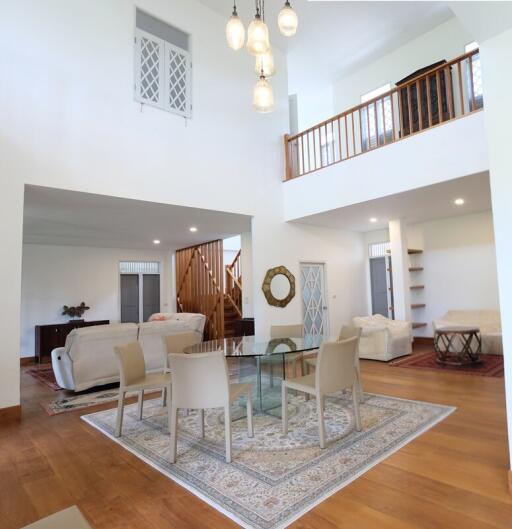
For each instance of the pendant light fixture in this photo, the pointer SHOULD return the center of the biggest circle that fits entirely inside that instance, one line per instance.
(263, 96)
(265, 64)
(257, 33)
(287, 20)
(235, 31)
(258, 44)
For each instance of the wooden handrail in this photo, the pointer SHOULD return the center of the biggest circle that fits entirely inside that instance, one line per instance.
(396, 114)
(234, 283)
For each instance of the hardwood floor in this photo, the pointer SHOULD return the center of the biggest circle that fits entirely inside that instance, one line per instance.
(452, 477)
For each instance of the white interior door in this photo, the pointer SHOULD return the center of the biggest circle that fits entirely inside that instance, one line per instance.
(314, 306)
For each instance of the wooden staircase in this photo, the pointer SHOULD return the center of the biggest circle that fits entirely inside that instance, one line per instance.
(233, 296)
(231, 315)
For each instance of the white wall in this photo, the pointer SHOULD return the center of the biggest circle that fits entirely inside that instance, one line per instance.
(459, 261)
(460, 266)
(446, 152)
(446, 41)
(497, 80)
(69, 120)
(54, 276)
(247, 275)
(343, 253)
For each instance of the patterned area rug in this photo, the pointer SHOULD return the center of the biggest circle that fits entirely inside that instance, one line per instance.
(44, 374)
(273, 479)
(86, 400)
(491, 365)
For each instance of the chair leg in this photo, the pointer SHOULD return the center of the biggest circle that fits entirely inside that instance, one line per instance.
(120, 410)
(227, 429)
(321, 424)
(359, 381)
(173, 427)
(357, 413)
(140, 404)
(284, 407)
(306, 369)
(250, 425)
(201, 423)
(168, 403)
(164, 397)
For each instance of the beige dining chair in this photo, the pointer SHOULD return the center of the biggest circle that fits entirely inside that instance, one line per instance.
(335, 371)
(133, 377)
(287, 331)
(347, 331)
(201, 381)
(177, 343)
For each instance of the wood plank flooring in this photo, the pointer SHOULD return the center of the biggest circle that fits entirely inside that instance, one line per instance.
(452, 477)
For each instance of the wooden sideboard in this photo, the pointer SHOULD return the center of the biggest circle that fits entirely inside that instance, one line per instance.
(48, 337)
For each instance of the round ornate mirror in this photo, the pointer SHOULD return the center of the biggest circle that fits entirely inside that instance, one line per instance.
(279, 286)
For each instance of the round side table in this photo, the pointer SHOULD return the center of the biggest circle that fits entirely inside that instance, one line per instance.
(458, 346)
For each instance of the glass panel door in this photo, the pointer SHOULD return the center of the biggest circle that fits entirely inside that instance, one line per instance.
(129, 298)
(314, 306)
(150, 295)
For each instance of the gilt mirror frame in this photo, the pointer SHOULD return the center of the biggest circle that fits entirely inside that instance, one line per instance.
(267, 291)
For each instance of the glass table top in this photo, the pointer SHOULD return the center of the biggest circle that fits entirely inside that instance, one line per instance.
(248, 346)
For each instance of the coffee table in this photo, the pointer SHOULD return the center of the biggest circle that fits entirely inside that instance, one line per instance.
(458, 346)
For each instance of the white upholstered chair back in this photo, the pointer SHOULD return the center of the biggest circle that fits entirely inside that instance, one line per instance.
(199, 380)
(350, 331)
(131, 363)
(335, 366)
(178, 342)
(287, 331)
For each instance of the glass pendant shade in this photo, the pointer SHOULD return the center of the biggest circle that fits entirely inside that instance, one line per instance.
(265, 64)
(235, 32)
(287, 20)
(263, 97)
(257, 37)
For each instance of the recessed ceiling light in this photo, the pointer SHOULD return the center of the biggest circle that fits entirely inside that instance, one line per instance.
(459, 201)
(193, 229)
(156, 241)
(373, 219)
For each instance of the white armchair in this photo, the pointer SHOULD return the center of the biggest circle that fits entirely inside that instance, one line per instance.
(383, 339)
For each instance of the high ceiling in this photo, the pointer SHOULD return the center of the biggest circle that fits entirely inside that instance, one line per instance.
(340, 37)
(55, 216)
(419, 205)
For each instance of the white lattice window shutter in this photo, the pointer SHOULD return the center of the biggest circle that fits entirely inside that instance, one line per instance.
(149, 69)
(177, 80)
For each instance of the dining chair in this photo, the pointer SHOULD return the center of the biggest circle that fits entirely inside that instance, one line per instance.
(287, 331)
(177, 343)
(347, 331)
(201, 381)
(335, 371)
(133, 377)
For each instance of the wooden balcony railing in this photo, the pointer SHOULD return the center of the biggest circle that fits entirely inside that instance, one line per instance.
(444, 93)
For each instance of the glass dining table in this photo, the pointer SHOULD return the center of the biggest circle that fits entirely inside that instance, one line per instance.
(261, 361)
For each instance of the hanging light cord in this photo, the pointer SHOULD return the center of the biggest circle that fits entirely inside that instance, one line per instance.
(260, 9)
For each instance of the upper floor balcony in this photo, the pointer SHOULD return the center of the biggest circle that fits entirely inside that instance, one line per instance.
(408, 137)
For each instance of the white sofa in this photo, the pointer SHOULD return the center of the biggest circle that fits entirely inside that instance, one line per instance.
(382, 338)
(488, 321)
(87, 358)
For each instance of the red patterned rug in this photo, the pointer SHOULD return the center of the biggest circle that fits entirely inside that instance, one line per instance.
(44, 374)
(491, 365)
